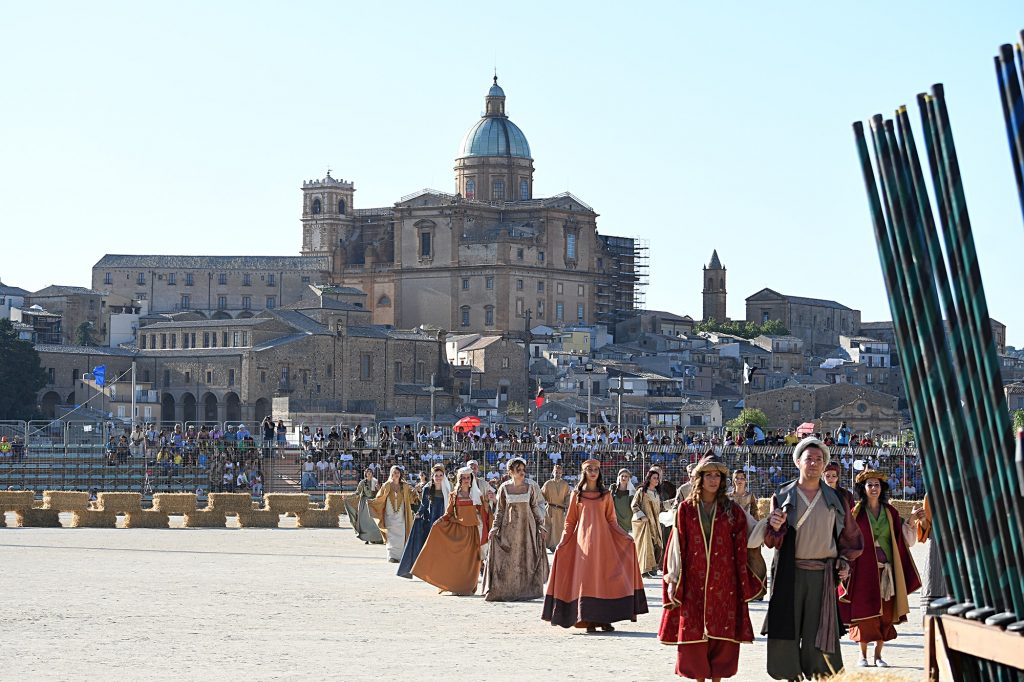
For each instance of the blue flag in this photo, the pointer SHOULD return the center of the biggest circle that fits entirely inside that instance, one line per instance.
(99, 375)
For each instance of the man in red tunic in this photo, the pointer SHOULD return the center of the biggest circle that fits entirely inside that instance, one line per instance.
(706, 582)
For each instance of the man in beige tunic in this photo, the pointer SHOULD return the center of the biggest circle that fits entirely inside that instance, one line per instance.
(556, 494)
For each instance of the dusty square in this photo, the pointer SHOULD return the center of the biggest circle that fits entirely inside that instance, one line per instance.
(299, 604)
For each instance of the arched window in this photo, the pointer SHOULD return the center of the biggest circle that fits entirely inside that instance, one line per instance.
(384, 301)
(721, 284)
(471, 189)
(317, 206)
(711, 284)
(498, 191)
(524, 190)
(341, 207)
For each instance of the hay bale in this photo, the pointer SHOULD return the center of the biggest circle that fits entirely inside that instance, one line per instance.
(287, 503)
(205, 518)
(231, 503)
(335, 502)
(65, 500)
(147, 519)
(174, 503)
(259, 519)
(38, 518)
(13, 500)
(119, 503)
(318, 518)
(86, 518)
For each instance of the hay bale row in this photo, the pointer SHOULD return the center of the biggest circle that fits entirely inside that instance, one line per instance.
(86, 518)
(13, 500)
(147, 519)
(231, 502)
(287, 503)
(174, 503)
(335, 502)
(38, 518)
(205, 518)
(65, 500)
(318, 518)
(259, 519)
(119, 503)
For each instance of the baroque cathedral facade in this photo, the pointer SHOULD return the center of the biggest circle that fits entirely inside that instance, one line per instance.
(487, 257)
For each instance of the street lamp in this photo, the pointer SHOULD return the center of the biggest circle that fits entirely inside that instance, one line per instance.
(588, 368)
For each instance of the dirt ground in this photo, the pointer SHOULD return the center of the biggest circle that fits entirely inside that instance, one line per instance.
(309, 604)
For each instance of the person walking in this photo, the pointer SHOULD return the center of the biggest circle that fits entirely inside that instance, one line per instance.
(517, 563)
(815, 538)
(647, 526)
(393, 510)
(742, 496)
(707, 585)
(358, 510)
(622, 492)
(433, 504)
(556, 493)
(884, 575)
(595, 580)
(450, 559)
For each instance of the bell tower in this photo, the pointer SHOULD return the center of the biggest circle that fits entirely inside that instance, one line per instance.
(326, 215)
(714, 289)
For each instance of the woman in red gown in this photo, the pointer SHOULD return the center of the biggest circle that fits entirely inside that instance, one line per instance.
(595, 579)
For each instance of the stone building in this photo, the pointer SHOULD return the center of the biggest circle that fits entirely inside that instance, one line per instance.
(475, 260)
(817, 321)
(215, 287)
(325, 358)
(787, 353)
(790, 406)
(863, 416)
(498, 367)
(10, 297)
(714, 290)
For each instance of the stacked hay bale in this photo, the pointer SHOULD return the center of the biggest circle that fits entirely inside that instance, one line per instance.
(56, 501)
(174, 503)
(130, 504)
(15, 501)
(319, 518)
(259, 518)
(291, 504)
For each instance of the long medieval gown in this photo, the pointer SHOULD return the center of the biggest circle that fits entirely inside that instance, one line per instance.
(594, 576)
(647, 529)
(706, 615)
(432, 507)
(755, 560)
(556, 493)
(517, 564)
(393, 510)
(623, 500)
(871, 614)
(359, 512)
(450, 559)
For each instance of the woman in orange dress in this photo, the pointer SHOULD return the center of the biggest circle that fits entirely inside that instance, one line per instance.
(595, 579)
(450, 558)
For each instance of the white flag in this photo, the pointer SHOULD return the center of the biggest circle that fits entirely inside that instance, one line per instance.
(748, 373)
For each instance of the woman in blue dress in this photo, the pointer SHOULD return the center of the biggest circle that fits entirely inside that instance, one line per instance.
(433, 503)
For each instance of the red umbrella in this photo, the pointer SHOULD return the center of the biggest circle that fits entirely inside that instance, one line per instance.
(805, 428)
(466, 424)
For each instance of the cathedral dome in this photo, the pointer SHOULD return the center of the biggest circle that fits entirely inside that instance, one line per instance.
(494, 134)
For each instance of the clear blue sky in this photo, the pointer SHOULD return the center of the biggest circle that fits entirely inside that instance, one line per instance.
(189, 127)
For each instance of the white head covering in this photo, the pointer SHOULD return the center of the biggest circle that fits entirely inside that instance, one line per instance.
(474, 489)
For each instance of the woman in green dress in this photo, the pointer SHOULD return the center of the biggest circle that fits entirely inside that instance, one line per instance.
(622, 496)
(359, 512)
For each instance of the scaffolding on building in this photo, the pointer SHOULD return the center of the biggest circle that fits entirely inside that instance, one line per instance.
(621, 294)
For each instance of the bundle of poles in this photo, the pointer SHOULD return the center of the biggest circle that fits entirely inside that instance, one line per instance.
(1010, 76)
(950, 364)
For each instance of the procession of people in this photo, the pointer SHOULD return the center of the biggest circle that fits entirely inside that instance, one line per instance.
(841, 562)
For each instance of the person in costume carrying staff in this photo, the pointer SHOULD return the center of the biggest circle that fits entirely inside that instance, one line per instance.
(450, 559)
(884, 575)
(433, 504)
(595, 580)
(815, 538)
(393, 510)
(706, 584)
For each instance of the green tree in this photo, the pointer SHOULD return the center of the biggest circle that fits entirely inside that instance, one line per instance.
(85, 334)
(1018, 420)
(749, 415)
(21, 375)
(745, 330)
